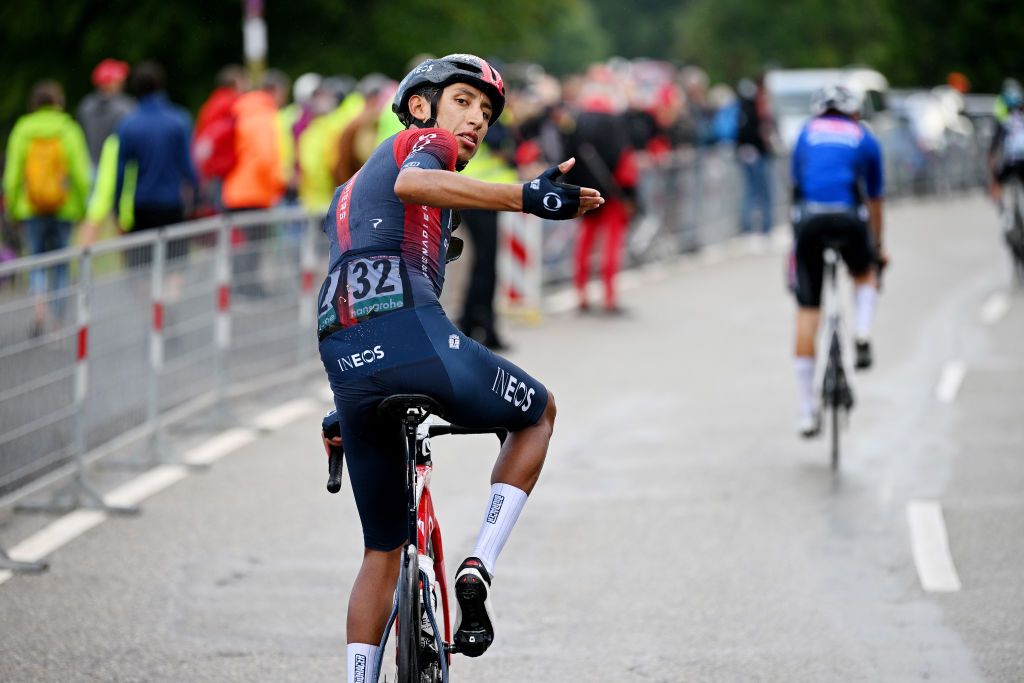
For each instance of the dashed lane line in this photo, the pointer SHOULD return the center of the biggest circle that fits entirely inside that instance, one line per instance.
(930, 546)
(72, 525)
(949, 382)
(994, 308)
(212, 450)
(284, 414)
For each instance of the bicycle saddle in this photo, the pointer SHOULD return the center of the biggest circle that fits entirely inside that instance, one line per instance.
(399, 405)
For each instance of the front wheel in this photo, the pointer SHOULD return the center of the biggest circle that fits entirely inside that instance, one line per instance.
(408, 625)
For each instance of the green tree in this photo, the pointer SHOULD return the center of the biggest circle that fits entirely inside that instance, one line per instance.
(735, 38)
(980, 38)
(194, 38)
(641, 28)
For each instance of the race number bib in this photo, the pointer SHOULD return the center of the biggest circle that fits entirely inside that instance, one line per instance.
(374, 286)
(359, 290)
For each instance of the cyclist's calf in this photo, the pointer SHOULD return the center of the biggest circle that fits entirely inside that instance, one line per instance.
(522, 456)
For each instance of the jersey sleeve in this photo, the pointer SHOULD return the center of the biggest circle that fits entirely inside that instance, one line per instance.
(874, 178)
(432, 148)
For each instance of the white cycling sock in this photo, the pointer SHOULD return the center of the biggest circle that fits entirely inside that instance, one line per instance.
(502, 512)
(362, 659)
(865, 297)
(804, 367)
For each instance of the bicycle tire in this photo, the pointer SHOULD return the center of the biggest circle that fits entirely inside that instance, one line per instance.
(408, 641)
(835, 433)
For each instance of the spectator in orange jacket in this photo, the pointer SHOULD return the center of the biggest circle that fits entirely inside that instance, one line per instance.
(256, 181)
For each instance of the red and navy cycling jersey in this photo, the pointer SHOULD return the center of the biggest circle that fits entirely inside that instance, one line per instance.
(370, 229)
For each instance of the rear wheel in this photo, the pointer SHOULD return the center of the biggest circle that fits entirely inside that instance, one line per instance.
(408, 641)
(835, 433)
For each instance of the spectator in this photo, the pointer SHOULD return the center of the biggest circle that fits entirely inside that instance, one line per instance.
(359, 138)
(605, 161)
(256, 181)
(46, 183)
(101, 110)
(754, 150)
(154, 139)
(478, 319)
(278, 85)
(213, 147)
(335, 105)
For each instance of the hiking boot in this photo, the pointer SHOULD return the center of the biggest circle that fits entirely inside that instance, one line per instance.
(474, 618)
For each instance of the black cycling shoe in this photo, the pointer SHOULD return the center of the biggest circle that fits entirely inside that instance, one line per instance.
(474, 620)
(864, 358)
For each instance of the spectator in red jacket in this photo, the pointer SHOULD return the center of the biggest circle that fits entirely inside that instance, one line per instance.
(213, 145)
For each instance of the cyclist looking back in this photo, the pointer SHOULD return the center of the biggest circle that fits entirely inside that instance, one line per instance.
(382, 331)
(836, 162)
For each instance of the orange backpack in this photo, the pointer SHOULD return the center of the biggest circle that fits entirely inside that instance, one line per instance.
(46, 175)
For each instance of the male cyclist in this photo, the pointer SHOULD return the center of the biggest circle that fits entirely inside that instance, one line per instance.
(382, 331)
(837, 191)
(1006, 155)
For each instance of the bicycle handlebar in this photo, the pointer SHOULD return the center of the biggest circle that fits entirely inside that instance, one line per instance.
(335, 456)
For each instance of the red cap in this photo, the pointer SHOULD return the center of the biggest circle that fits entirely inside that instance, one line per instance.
(109, 71)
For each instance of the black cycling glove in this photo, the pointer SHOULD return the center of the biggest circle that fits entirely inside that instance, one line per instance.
(546, 198)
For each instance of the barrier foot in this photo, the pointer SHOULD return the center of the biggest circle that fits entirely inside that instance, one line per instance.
(76, 495)
(21, 566)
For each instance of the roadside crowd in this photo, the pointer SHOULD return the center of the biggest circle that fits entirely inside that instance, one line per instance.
(136, 162)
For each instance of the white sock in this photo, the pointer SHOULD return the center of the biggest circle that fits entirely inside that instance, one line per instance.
(362, 659)
(502, 512)
(804, 367)
(865, 297)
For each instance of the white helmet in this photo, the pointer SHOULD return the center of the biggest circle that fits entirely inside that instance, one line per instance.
(304, 87)
(834, 97)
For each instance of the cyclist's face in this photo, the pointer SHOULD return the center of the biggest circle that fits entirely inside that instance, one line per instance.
(466, 112)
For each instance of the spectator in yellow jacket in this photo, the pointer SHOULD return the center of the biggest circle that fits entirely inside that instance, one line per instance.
(46, 182)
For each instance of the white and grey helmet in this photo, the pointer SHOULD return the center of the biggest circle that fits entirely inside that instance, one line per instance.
(834, 98)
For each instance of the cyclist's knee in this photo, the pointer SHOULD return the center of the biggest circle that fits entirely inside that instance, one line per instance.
(550, 411)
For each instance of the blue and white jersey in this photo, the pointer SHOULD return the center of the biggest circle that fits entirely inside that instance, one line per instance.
(837, 161)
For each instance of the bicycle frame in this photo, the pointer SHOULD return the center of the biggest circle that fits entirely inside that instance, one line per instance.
(429, 532)
(835, 387)
(424, 533)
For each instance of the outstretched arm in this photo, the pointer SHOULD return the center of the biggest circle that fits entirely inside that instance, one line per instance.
(447, 190)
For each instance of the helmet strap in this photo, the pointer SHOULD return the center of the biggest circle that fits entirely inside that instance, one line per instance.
(431, 121)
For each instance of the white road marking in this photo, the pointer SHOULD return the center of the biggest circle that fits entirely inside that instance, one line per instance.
(53, 536)
(216, 448)
(995, 308)
(949, 383)
(930, 545)
(145, 485)
(72, 525)
(284, 414)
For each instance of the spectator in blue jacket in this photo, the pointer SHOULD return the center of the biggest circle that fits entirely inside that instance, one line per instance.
(154, 144)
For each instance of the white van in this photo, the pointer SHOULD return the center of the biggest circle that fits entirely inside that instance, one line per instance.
(790, 91)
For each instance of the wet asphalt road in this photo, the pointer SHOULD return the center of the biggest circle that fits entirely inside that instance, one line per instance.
(680, 532)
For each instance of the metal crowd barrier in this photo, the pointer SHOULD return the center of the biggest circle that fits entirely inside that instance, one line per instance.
(161, 325)
(152, 327)
(694, 200)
